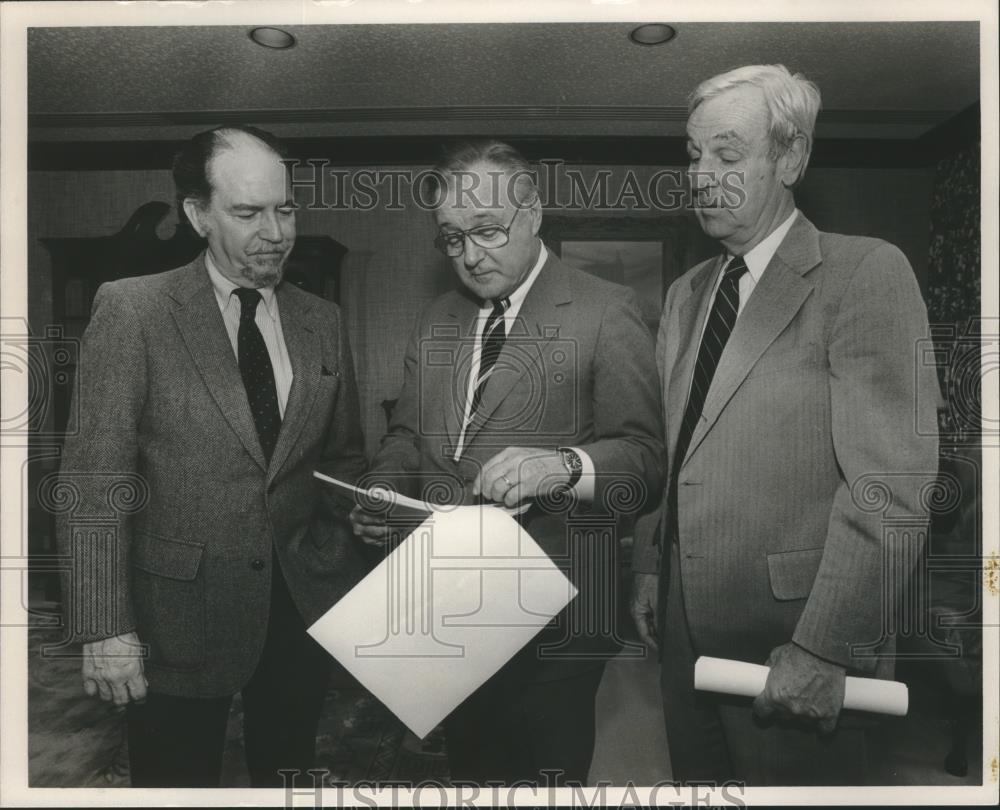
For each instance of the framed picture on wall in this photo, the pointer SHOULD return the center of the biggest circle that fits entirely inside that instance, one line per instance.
(635, 264)
(644, 253)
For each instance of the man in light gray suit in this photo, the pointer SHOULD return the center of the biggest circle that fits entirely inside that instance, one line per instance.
(790, 385)
(221, 388)
(529, 379)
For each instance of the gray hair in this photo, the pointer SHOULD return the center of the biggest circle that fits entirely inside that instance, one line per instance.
(792, 102)
(464, 155)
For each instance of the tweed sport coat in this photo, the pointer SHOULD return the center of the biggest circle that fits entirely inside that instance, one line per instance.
(162, 402)
(816, 444)
(577, 370)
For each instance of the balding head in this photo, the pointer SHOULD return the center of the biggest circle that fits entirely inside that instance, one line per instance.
(235, 192)
(192, 165)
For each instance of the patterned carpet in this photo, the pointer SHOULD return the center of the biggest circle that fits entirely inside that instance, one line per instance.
(77, 741)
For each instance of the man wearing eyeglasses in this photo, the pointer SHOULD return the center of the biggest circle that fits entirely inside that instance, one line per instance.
(529, 380)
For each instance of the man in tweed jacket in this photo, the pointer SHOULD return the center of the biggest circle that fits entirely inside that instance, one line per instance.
(209, 587)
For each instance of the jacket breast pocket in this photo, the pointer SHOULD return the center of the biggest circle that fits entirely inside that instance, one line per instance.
(329, 373)
(792, 573)
(329, 382)
(169, 600)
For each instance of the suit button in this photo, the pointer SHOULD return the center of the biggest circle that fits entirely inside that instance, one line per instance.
(257, 565)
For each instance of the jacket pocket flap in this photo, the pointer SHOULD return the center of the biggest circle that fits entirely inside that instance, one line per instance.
(792, 572)
(175, 559)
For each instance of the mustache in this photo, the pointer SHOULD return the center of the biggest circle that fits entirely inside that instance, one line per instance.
(709, 200)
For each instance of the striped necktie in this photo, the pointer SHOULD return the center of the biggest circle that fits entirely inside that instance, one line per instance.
(717, 330)
(494, 335)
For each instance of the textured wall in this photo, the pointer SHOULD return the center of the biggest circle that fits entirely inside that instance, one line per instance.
(954, 269)
(954, 285)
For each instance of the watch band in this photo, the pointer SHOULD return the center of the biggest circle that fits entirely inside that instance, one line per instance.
(573, 463)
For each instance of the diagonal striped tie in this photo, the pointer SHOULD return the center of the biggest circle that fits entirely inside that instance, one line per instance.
(494, 335)
(717, 330)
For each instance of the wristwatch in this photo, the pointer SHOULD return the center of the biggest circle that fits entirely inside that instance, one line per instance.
(573, 463)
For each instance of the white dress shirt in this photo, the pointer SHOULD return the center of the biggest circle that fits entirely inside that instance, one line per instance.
(584, 488)
(268, 321)
(757, 261)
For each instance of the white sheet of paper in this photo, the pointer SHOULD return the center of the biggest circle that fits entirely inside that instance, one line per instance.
(396, 500)
(444, 611)
(741, 678)
(374, 494)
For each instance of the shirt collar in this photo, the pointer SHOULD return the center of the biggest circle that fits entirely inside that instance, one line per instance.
(760, 256)
(224, 289)
(517, 297)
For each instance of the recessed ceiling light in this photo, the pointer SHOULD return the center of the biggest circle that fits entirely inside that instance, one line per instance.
(272, 38)
(652, 34)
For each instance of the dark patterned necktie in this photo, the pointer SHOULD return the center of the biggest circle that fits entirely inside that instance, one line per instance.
(494, 336)
(257, 372)
(717, 330)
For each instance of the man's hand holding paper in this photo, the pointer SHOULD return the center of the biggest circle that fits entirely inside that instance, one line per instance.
(520, 473)
(512, 390)
(802, 686)
(370, 527)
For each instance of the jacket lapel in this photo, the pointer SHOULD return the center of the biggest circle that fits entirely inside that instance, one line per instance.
(691, 315)
(776, 299)
(535, 325)
(305, 354)
(202, 329)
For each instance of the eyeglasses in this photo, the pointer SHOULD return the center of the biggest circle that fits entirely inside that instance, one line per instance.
(485, 236)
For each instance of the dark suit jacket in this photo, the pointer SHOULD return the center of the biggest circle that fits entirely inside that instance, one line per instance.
(576, 370)
(161, 400)
(809, 467)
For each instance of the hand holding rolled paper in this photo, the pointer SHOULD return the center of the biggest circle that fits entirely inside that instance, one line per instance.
(803, 687)
(747, 680)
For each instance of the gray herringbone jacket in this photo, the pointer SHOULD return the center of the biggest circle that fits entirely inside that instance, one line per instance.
(171, 511)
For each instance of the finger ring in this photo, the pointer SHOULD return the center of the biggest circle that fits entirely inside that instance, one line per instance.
(510, 484)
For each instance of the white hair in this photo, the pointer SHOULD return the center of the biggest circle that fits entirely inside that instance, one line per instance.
(792, 103)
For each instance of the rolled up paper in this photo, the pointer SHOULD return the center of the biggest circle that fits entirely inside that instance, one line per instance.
(747, 680)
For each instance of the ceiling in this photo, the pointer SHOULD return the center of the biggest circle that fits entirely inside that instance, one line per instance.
(879, 80)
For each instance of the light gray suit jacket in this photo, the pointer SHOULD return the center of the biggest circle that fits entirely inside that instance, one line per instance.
(163, 411)
(577, 370)
(802, 499)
